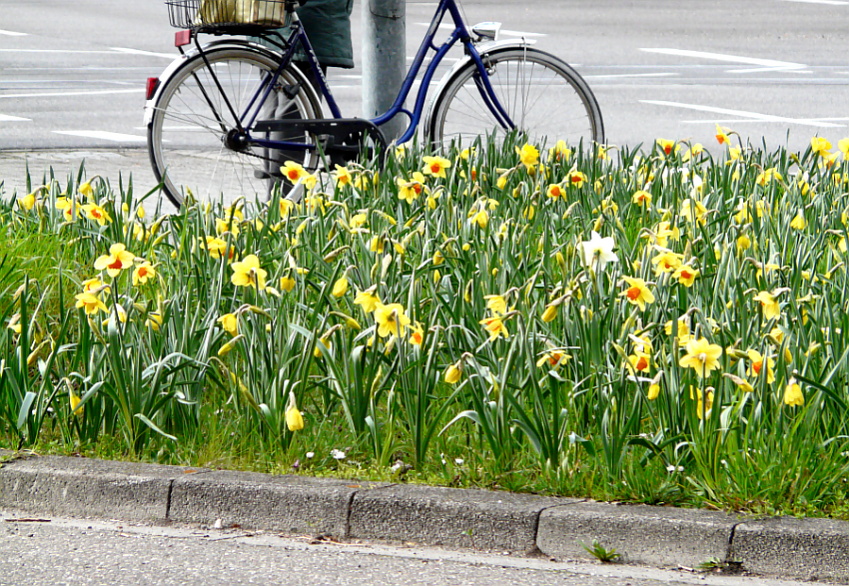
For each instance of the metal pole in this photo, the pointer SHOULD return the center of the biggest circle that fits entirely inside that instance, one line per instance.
(384, 60)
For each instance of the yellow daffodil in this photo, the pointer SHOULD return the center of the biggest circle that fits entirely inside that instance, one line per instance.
(154, 320)
(722, 135)
(27, 202)
(528, 155)
(550, 313)
(638, 363)
(294, 419)
(94, 212)
(668, 146)
(637, 293)
(367, 299)
(743, 243)
(654, 391)
(216, 247)
(683, 333)
(143, 273)
(702, 356)
(90, 303)
(340, 287)
(761, 366)
(553, 359)
(686, 275)
(641, 198)
(453, 373)
(495, 327)
(766, 176)
(480, 218)
(230, 323)
(769, 304)
(287, 283)
(293, 171)
(416, 334)
(435, 166)
(799, 222)
(496, 304)
(820, 146)
(410, 190)
(702, 408)
(391, 320)
(576, 179)
(248, 273)
(666, 262)
(793, 396)
(118, 258)
(555, 190)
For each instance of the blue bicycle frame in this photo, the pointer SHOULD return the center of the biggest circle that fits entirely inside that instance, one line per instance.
(298, 39)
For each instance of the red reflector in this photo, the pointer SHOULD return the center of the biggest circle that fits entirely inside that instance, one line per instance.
(182, 38)
(152, 84)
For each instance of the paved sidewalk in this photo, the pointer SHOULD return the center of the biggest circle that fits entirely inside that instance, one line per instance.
(454, 518)
(112, 164)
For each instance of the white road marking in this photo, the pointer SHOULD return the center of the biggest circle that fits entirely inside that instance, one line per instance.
(737, 121)
(7, 118)
(752, 116)
(75, 51)
(767, 64)
(58, 94)
(828, 2)
(111, 136)
(129, 51)
(12, 33)
(620, 75)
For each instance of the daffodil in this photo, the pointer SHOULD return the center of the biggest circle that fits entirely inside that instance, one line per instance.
(560, 151)
(94, 212)
(702, 407)
(576, 179)
(799, 222)
(496, 304)
(495, 327)
(367, 299)
(27, 202)
(480, 218)
(641, 198)
(637, 292)
(154, 320)
(416, 334)
(666, 262)
(118, 258)
(769, 304)
(248, 273)
(340, 287)
(553, 359)
(820, 146)
(391, 320)
(293, 171)
(722, 135)
(668, 146)
(435, 166)
(793, 396)
(683, 333)
(143, 273)
(702, 356)
(528, 155)
(90, 303)
(761, 366)
(453, 373)
(230, 323)
(555, 190)
(410, 190)
(216, 247)
(294, 419)
(598, 250)
(550, 313)
(686, 275)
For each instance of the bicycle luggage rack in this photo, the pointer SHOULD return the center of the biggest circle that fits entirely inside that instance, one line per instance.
(340, 138)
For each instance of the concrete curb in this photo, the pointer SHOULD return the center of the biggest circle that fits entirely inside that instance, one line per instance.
(483, 520)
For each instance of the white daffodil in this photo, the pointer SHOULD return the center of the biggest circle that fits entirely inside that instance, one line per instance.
(598, 247)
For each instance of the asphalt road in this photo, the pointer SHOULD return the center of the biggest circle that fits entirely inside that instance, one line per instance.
(49, 551)
(72, 73)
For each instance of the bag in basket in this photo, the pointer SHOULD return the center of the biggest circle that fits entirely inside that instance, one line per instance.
(261, 12)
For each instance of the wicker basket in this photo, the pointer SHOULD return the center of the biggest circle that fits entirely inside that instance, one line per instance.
(194, 14)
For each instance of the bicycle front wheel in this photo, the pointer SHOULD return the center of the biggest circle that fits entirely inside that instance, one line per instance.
(542, 96)
(197, 137)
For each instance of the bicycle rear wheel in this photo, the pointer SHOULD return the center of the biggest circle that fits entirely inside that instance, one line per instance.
(543, 97)
(195, 136)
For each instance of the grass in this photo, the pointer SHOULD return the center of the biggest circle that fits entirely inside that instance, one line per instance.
(659, 326)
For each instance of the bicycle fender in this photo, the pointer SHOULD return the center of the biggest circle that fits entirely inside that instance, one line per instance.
(483, 49)
(182, 59)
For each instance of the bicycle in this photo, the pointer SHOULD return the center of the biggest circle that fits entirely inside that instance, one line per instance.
(225, 114)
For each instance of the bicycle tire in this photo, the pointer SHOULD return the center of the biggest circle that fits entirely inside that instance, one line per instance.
(544, 97)
(187, 134)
